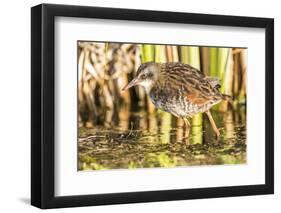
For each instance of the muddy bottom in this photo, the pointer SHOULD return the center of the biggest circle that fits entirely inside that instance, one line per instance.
(147, 141)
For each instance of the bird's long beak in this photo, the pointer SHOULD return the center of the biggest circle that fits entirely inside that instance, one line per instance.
(132, 83)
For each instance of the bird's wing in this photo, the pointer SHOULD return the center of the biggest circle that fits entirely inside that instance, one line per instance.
(196, 98)
(180, 68)
(194, 85)
(201, 92)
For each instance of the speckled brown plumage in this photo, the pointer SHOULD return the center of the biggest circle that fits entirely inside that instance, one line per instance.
(179, 88)
(184, 91)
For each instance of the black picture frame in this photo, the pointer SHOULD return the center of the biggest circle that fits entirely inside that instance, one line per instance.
(43, 102)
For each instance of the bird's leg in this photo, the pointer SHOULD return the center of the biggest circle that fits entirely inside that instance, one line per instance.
(213, 123)
(186, 122)
(187, 127)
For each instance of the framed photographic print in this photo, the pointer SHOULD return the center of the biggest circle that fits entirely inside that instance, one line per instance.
(139, 106)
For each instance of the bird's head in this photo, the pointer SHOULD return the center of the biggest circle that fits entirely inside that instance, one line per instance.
(146, 76)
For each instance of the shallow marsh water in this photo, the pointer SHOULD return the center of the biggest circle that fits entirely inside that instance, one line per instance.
(140, 140)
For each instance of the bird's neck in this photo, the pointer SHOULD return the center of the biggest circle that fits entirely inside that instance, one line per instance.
(148, 88)
(147, 85)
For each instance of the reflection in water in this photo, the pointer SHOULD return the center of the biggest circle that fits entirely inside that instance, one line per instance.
(142, 140)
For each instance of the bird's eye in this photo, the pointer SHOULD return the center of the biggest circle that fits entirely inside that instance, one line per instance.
(143, 76)
(149, 75)
(146, 76)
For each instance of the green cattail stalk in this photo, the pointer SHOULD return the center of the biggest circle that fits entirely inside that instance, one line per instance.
(191, 56)
(222, 69)
(160, 54)
(218, 66)
(166, 118)
(222, 65)
(213, 61)
(205, 60)
(243, 61)
(148, 54)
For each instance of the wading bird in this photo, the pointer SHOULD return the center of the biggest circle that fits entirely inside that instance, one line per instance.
(179, 89)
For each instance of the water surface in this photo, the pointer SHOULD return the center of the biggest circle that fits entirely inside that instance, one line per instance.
(142, 140)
